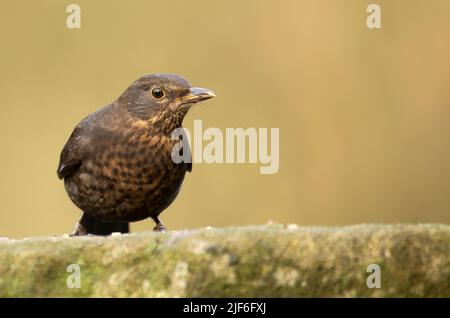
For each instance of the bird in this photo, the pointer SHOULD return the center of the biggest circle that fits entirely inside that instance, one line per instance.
(117, 165)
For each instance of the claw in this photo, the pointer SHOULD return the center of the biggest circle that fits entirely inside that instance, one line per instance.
(79, 230)
(160, 228)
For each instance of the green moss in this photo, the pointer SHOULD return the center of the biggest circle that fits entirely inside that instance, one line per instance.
(253, 261)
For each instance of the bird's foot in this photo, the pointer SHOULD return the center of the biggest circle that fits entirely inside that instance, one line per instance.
(79, 230)
(160, 228)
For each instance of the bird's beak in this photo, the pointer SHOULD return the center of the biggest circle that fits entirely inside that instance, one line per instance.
(197, 94)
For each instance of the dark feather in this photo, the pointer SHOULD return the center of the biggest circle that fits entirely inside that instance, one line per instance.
(71, 158)
(67, 168)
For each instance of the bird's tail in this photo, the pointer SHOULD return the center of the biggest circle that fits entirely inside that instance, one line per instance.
(90, 225)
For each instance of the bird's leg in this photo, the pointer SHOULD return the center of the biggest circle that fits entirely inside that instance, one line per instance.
(159, 226)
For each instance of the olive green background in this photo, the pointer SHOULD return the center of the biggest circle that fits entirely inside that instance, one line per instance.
(364, 115)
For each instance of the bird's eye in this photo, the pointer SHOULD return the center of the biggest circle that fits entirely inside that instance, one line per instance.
(157, 93)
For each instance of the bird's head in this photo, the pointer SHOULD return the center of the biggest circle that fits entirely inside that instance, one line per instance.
(162, 96)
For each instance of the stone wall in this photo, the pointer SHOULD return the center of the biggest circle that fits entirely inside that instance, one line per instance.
(254, 261)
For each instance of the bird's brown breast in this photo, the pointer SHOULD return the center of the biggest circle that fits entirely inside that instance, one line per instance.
(127, 176)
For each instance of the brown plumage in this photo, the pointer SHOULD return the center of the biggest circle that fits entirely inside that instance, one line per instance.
(117, 164)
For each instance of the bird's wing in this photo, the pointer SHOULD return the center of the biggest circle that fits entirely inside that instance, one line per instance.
(71, 155)
(78, 145)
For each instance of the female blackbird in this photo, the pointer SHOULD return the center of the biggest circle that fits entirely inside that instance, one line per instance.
(117, 164)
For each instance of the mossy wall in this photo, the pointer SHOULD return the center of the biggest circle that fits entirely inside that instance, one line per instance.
(253, 261)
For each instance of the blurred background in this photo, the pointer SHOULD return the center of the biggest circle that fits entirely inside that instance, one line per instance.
(364, 115)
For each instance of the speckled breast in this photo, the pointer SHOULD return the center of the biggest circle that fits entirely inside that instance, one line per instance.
(128, 178)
